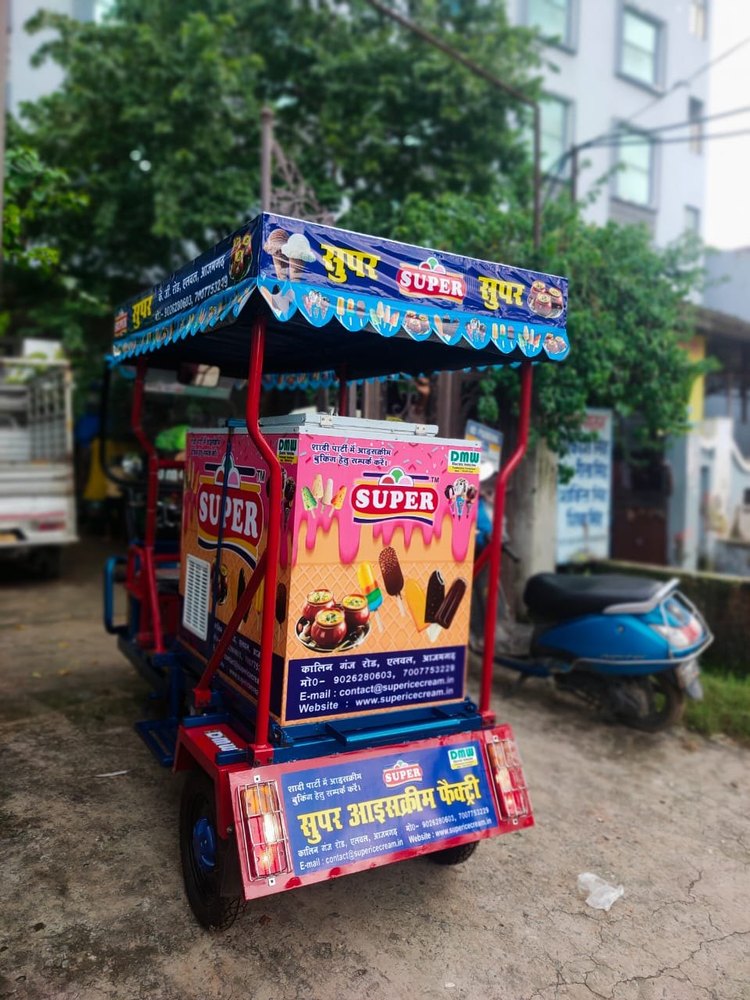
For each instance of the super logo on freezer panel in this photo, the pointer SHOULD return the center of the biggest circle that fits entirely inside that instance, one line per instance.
(233, 510)
(394, 496)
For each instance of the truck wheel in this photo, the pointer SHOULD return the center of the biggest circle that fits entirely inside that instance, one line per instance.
(205, 855)
(453, 855)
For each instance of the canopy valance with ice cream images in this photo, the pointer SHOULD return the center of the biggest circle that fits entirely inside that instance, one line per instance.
(345, 292)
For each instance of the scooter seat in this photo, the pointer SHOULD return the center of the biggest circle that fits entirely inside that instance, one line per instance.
(562, 595)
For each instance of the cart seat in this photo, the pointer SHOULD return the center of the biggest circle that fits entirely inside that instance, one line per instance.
(560, 595)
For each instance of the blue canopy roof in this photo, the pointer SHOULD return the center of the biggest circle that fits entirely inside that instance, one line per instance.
(342, 300)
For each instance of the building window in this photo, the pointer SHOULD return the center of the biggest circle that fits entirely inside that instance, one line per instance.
(635, 160)
(698, 18)
(556, 122)
(692, 220)
(695, 128)
(553, 18)
(641, 52)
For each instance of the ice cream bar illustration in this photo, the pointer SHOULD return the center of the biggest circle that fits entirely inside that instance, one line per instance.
(317, 487)
(280, 609)
(328, 493)
(393, 578)
(435, 595)
(338, 500)
(414, 596)
(451, 603)
(369, 587)
(258, 598)
(309, 501)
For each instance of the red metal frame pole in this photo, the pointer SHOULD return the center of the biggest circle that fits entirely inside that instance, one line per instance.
(202, 690)
(262, 748)
(496, 543)
(152, 499)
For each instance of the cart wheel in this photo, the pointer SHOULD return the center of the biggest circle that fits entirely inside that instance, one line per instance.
(453, 855)
(204, 855)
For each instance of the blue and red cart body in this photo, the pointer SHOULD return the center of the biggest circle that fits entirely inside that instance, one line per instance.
(344, 813)
(325, 799)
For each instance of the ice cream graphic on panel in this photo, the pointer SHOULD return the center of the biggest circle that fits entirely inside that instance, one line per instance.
(298, 252)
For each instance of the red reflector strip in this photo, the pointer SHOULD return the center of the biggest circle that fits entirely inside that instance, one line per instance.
(510, 783)
(267, 851)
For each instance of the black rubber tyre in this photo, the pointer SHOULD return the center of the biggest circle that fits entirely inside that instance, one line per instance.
(203, 881)
(656, 703)
(453, 855)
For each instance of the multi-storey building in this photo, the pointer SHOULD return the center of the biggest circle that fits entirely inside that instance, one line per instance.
(617, 74)
(26, 82)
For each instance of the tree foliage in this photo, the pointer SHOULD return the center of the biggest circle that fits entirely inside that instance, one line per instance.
(629, 320)
(157, 127)
(38, 290)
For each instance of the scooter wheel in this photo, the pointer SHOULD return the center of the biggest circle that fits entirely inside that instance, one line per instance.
(655, 702)
(453, 855)
(205, 855)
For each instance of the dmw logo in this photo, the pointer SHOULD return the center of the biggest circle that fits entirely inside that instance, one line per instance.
(462, 757)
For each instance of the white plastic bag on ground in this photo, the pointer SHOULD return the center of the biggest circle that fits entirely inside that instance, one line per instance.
(601, 895)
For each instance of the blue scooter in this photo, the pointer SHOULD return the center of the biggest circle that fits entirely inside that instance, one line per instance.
(627, 644)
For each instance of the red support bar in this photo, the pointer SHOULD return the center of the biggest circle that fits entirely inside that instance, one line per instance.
(202, 691)
(152, 499)
(262, 749)
(494, 548)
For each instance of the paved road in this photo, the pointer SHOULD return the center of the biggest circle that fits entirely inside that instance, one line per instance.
(92, 903)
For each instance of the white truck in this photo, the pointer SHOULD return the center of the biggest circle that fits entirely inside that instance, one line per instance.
(37, 489)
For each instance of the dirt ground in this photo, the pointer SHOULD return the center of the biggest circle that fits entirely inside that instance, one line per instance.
(92, 900)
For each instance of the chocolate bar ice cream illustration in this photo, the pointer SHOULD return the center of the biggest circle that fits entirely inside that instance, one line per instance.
(393, 578)
(435, 595)
(280, 607)
(450, 605)
(448, 608)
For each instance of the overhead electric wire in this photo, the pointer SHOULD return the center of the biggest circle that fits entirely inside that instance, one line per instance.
(689, 79)
(638, 139)
(632, 137)
(555, 173)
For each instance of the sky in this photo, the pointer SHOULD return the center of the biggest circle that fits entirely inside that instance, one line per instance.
(727, 206)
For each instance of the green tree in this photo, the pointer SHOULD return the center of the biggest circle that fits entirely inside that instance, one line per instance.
(157, 123)
(629, 319)
(38, 291)
(158, 118)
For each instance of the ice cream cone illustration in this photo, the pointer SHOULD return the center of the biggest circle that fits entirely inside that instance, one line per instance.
(298, 252)
(276, 240)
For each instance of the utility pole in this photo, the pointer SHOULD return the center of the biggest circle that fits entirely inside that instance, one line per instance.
(292, 196)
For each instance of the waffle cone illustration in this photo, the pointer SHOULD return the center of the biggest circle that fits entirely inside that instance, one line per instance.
(296, 269)
(276, 240)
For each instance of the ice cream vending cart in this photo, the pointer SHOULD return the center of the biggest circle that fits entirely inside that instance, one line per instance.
(307, 629)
